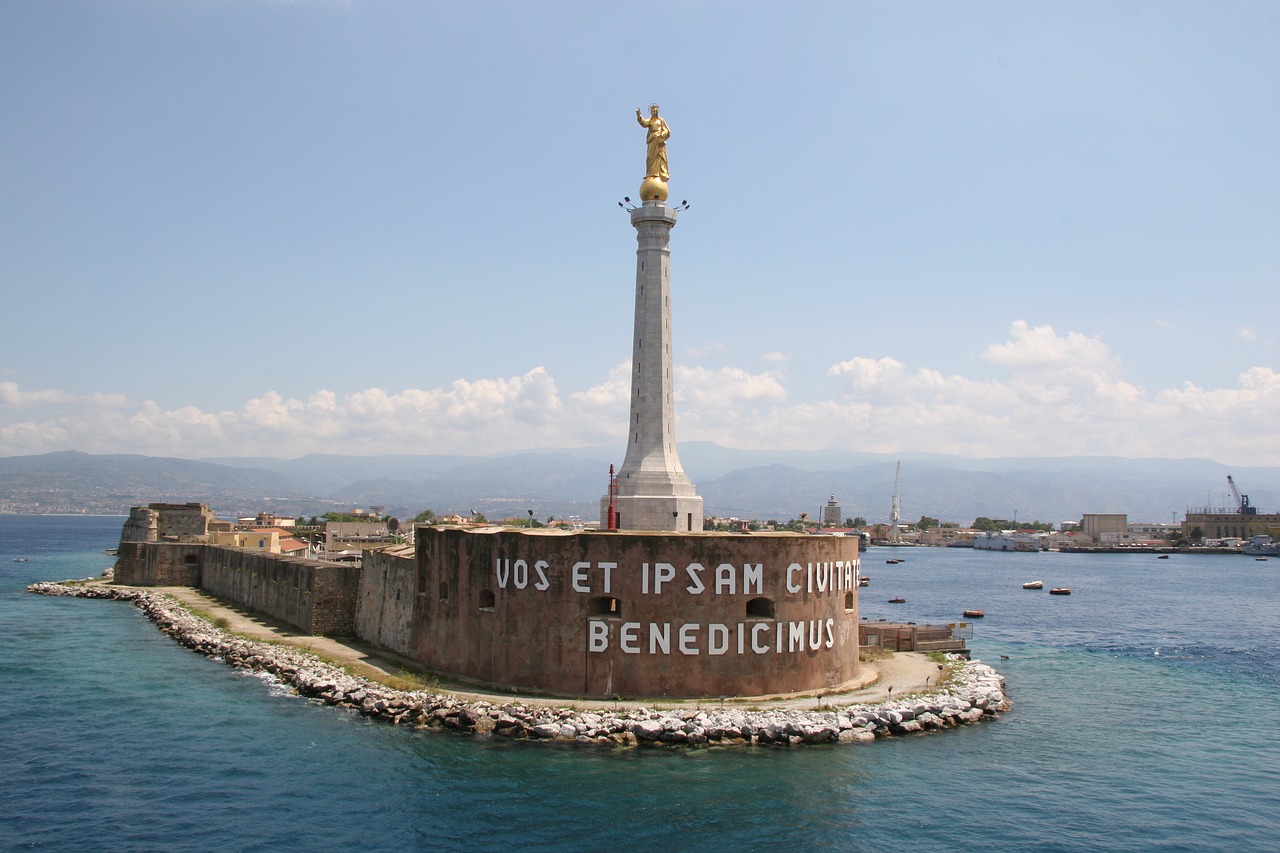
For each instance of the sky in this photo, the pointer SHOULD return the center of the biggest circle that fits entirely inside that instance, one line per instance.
(269, 228)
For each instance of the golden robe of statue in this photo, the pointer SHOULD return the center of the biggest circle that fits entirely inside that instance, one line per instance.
(656, 161)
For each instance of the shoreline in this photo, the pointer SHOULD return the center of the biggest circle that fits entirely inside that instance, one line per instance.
(974, 692)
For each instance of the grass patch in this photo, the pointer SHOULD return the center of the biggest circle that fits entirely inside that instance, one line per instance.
(410, 682)
(219, 622)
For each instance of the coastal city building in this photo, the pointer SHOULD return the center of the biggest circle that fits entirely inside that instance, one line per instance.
(831, 513)
(1227, 523)
(1098, 525)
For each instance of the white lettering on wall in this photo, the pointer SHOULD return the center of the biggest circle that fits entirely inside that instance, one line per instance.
(663, 573)
(627, 638)
(795, 637)
(579, 577)
(588, 578)
(598, 638)
(688, 637)
(694, 639)
(726, 579)
(793, 586)
(718, 639)
(756, 630)
(694, 570)
(660, 638)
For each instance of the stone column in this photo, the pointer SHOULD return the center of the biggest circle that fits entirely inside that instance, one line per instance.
(654, 493)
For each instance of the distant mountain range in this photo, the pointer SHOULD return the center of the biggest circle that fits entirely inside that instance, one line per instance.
(743, 483)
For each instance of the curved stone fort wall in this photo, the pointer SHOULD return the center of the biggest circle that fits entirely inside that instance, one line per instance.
(637, 614)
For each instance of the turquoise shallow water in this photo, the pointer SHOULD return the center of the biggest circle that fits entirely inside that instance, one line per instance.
(112, 737)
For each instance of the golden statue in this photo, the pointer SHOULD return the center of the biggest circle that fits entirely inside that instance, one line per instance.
(655, 166)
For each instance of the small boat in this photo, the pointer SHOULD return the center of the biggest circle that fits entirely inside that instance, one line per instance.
(1163, 557)
(1261, 546)
(974, 614)
(897, 601)
(864, 580)
(1033, 585)
(1060, 590)
(892, 562)
(20, 559)
(1259, 559)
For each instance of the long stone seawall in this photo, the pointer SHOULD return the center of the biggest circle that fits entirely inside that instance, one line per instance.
(319, 598)
(973, 693)
(314, 597)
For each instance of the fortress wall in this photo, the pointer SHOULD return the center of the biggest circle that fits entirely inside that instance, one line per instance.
(384, 604)
(335, 591)
(159, 563)
(314, 597)
(637, 614)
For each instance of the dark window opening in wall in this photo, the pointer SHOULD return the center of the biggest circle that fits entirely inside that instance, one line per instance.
(760, 608)
(487, 599)
(422, 582)
(444, 591)
(606, 606)
(848, 601)
(191, 559)
(689, 524)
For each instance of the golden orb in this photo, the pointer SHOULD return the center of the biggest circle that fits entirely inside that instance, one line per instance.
(653, 188)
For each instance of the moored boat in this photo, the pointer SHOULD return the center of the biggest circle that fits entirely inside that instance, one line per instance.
(974, 614)
(1010, 540)
(1033, 585)
(897, 601)
(1261, 546)
(1060, 590)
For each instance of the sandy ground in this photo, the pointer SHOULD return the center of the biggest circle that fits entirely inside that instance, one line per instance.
(895, 674)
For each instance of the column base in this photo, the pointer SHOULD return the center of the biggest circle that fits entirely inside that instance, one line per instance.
(657, 512)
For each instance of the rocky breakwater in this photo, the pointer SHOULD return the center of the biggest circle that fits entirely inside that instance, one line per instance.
(972, 693)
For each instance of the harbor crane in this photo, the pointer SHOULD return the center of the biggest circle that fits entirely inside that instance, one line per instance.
(1242, 501)
(895, 509)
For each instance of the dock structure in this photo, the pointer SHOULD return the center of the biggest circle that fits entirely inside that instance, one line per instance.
(912, 637)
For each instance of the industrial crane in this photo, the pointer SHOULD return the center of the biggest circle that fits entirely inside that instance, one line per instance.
(1242, 501)
(895, 510)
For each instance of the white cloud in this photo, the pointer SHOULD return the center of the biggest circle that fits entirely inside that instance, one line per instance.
(1062, 395)
(13, 396)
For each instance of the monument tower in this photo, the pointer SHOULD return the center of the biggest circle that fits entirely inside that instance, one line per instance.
(653, 492)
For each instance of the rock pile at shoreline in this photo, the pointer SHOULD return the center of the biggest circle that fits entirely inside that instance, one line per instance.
(974, 692)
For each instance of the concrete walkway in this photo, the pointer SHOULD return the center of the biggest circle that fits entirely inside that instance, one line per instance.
(897, 673)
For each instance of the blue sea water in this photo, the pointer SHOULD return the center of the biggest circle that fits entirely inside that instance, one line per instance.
(1146, 718)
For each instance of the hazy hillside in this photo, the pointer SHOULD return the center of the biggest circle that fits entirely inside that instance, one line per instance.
(751, 484)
